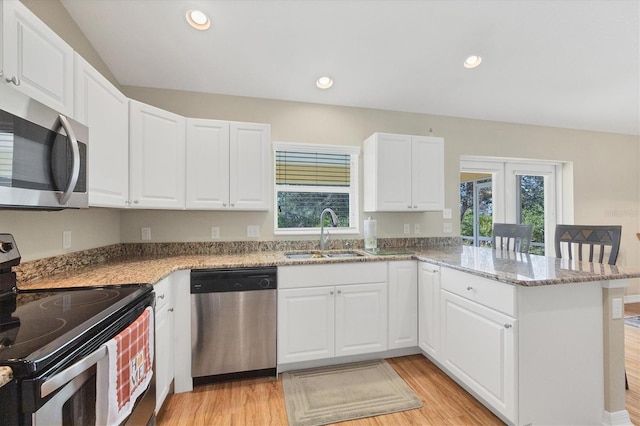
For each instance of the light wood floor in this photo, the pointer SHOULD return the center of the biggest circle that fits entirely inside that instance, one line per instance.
(258, 402)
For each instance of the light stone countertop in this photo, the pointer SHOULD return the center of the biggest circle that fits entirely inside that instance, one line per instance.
(511, 268)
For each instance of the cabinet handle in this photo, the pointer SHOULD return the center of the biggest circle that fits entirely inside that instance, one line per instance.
(469, 288)
(435, 271)
(408, 207)
(415, 207)
(224, 204)
(15, 80)
(508, 326)
(170, 309)
(135, 201)
(331, 292)
(339, 291)
(232, 204)
(161, 296)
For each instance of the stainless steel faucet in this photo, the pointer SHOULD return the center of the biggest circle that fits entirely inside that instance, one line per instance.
(334, 222)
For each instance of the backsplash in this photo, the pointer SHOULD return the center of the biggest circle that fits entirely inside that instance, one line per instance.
(41, 268)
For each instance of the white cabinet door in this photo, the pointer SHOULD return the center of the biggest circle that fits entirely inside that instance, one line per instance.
(164, 323)
(105, 110)
(157, 157)
(429, 308)
(478, 347)
(306, 322)
(249, 166)
(228, 165)
(35, 59)
(207, 164)
(403, 304)
(361, 318)
(387, 172)
(403, 173)
(427, 171)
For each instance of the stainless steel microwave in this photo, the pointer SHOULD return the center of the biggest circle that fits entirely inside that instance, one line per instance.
(43, 155)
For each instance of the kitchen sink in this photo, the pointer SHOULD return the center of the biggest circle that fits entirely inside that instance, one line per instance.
(344, 254)
(325, 254)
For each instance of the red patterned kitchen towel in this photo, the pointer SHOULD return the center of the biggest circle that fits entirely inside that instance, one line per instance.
(129, 370)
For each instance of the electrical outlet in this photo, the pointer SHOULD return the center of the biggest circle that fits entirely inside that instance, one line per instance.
(215, 232)
(66, 239)
(146, 234)
(416, 228)
(447, 228)
(407, 229)
(446, 214)
(617, 308)
(253, 231)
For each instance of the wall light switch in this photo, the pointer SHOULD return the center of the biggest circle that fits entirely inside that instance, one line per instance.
(215, 232)
(447, 228)
(416, 228)
(407, 228)
(146, 234)
(66, 239)
(253, 231)
(446, 214)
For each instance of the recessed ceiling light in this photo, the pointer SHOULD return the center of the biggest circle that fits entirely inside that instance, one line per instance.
(198, 20)
(324, 82)
(472, 61)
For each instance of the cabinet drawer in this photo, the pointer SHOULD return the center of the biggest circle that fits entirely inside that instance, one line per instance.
(161, 288)
(493, 294)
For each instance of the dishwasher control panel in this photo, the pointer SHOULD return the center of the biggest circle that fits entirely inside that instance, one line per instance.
(233, 279)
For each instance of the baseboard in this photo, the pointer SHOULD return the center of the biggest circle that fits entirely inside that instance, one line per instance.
(617, 418)
(392, 353)
(632, 298)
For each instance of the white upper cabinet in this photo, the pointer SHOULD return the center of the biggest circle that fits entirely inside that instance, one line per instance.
(36, 60)
(403, 173)
(156, 157)
(228, 165)
(105, 110)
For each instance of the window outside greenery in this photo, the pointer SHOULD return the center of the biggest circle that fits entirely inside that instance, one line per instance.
(310, 178)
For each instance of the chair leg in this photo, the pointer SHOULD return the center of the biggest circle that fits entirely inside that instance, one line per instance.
(626, 383)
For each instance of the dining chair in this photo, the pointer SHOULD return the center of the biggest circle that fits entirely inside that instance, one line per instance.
(577, 238)
(511, 237)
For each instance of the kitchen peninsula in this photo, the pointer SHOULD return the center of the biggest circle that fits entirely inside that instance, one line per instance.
(523, 333)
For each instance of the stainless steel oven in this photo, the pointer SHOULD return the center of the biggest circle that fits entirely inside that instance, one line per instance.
(54, 344)
(43, 155)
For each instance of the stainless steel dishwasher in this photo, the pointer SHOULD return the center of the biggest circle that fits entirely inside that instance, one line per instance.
(233, 323)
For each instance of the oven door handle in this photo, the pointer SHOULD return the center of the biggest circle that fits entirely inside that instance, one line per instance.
(65, 376)
(75, 166)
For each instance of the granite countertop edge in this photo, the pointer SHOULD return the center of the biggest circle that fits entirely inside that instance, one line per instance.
(150, 270)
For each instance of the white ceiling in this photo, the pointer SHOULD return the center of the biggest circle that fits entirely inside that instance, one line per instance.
(562, 63)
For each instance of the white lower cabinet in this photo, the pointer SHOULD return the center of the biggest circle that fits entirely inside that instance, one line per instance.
(429, 308)
(164, 324)
(325, 311)
(478, 347)
(403, 304)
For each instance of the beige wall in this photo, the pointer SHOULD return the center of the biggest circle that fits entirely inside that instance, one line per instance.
(605, 166)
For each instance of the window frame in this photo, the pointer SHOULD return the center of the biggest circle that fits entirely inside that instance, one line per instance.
(352, 189)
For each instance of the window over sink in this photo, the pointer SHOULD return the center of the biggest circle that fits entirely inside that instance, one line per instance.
(310, 178)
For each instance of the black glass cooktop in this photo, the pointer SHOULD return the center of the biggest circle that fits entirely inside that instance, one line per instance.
(37, 328)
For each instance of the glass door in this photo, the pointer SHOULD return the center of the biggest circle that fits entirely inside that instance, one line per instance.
(476, 211)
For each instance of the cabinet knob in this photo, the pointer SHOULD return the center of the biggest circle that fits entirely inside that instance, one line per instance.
(224, 204)
(232, 204)
(508, 326)
(15, 80)
(469, 288)
(339, 291)
(170, 309)
(331, 292)
(161, 296)
(435, 271)
(135, 201)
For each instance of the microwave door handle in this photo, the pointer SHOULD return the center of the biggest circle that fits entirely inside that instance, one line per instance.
(65, 376)
(75, 168)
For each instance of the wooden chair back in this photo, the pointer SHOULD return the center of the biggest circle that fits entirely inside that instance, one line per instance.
(511, 237)
(579, 237)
